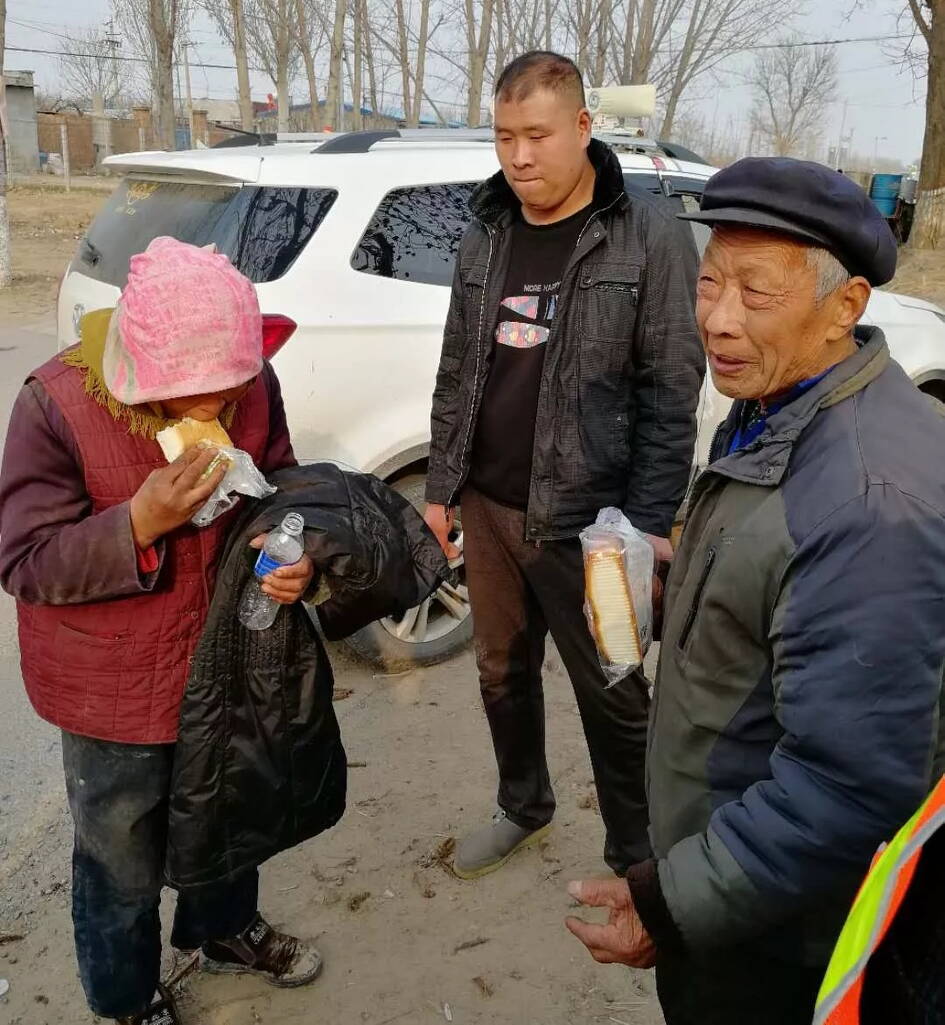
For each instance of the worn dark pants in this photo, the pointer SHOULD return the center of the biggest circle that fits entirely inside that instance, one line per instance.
(118, 794)
(736, 986)
(520, 591)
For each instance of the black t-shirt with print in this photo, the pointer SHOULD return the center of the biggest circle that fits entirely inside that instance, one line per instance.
(502, 450)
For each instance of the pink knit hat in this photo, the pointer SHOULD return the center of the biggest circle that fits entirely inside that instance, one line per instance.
(187, 323)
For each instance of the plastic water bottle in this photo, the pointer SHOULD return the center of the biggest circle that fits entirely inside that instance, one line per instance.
(283, 547)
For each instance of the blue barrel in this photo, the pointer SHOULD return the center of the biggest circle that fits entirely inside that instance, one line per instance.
(884, 191)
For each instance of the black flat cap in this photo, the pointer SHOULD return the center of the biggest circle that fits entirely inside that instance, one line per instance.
(809, 201)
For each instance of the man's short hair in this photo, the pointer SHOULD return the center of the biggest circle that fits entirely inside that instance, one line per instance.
(540, 69)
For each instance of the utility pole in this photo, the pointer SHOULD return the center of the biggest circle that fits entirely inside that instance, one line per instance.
(113, 42)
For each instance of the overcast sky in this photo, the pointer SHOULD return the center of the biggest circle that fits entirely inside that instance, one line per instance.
(884, 101)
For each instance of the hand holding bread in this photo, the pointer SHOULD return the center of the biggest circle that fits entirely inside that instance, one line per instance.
(171, 496)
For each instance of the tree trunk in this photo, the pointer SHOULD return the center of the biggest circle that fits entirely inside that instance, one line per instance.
(247, 116)
(284, 39)
(928, 231)
(6, 270)
(404, 55)
(334, 78)
(357, 79)
(308, 59)
(369, 55)
(162, 17)
(547, 24)
(479, 51)
(604, 16)
(421, 62)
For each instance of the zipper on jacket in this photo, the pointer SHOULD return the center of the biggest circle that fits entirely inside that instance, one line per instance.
(464, 470)
(570, 267)
(696, 598)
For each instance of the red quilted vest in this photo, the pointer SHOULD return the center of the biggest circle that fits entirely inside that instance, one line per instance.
(116, 670)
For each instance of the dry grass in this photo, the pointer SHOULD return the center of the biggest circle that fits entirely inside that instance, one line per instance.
(922, 274)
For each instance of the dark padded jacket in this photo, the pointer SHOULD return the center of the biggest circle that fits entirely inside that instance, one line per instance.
(797, 712)
(259, 765)
(616, 421)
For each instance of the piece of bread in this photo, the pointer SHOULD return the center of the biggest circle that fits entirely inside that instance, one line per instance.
(613, 617)
(186, 433)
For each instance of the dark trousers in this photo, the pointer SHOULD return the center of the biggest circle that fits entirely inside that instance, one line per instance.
(520, 591)
(736, 986)
(118, 794)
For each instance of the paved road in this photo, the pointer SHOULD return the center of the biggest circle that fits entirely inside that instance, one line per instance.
(30, 774)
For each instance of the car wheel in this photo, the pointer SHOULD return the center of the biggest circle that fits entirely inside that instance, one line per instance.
(432, 632)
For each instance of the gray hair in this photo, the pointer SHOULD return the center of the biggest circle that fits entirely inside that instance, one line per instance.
(831, 274)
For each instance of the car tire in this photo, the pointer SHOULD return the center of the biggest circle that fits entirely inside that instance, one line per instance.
(420, 638)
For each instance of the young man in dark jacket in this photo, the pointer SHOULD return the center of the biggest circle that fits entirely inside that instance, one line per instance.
(113, 587)
(569, 381)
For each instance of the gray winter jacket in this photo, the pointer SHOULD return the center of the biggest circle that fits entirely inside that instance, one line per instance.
(623, 367)
(797, 713)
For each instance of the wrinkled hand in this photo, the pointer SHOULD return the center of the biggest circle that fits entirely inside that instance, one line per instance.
(623, 940)
(287, 584)
(171, 496)
(441, 520)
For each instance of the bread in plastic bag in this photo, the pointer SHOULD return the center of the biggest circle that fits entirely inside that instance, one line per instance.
(242, 477)
(618, 574)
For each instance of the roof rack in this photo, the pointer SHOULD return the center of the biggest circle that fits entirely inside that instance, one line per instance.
(361, 142)
(364, 141)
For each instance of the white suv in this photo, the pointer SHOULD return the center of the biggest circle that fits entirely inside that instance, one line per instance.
(351, 241)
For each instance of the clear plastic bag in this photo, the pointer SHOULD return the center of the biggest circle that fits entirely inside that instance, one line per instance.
(618, 574)
(242, 477)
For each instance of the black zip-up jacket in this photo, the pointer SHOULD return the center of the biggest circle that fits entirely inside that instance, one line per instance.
(616, 422)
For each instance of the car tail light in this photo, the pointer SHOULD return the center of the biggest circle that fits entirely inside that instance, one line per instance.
(277, 330)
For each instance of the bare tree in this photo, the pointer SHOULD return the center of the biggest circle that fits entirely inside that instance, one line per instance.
(90, 68)
(422, 42)
(241, 54)
(230, 19)
(164, 19)
(792, 86)
(6, 270)
(478, 38)
(335, 69)
(152, 27)
(310, 30)
(928, 231)
(272, 33)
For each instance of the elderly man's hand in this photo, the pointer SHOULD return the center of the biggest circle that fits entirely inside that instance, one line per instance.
(623, 940)
(287, 584)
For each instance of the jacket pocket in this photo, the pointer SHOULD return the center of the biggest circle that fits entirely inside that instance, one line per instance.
(693, 610)
(98, 653)
(609, 296)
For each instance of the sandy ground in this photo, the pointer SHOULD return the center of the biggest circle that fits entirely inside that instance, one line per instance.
(402, 938)
(46, 224)
(921, 273)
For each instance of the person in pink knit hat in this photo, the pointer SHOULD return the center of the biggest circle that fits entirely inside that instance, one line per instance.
(113, 584)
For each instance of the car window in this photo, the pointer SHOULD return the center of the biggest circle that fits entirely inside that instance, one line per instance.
(415, 232)
(261, 229)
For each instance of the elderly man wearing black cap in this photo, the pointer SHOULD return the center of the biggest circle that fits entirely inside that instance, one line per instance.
(796, 721)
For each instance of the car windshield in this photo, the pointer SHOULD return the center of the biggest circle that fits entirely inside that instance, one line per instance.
(261, 229)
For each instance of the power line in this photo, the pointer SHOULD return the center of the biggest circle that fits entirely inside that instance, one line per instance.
(99, 56)
(826, 42)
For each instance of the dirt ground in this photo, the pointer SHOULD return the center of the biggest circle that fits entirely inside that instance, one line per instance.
(46, 222)
(403, 940)
(921, 273)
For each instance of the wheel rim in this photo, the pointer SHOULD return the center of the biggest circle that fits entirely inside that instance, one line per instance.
(443, 612)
